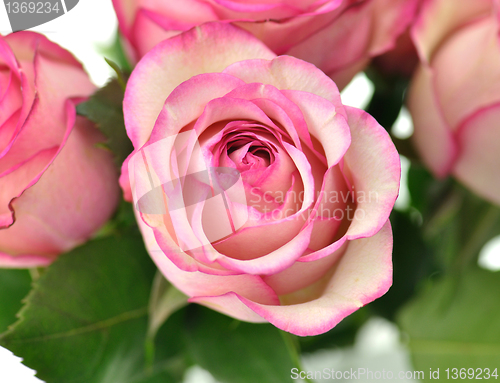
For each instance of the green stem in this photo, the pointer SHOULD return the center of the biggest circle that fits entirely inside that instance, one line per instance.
(119, 74)
(449, 203)
(36, 272)
(164, 300)
(293, 350)
(479, 237)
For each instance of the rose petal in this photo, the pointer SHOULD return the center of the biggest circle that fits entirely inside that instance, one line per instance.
(229, 304)
(147, 32)
(479, 140)
(10, 101)
(52, 79)
(193, 283)
(302, 274)
(26, 45)
(438, 18)
(325, 123)
(15, 180)
(187, 102)
(275, 261)
(462, 84)
(24, 261)
(228, 108)
(286, 72)
(432, 136)
(364, 30)
(192, 11)
(254, 240)
(374, 165)
(363, 274)
(176, 60)
(50, 229)
(277, 107)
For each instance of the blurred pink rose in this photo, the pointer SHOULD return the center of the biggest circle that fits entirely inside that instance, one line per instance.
(338, 36)
(257, 192)
(454, 97)
(56, 187)
(402, 60)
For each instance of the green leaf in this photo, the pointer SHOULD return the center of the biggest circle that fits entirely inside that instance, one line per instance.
(104, 108)
(86, 318)
(237, 352)
(170, 348)
(116, 53)
(14, 286)
(120, 75)
(423, 187)
(454, 323)
(455, 222)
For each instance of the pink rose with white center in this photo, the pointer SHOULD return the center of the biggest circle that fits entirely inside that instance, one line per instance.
(454, 96)
(257, 192)
(56, 186)
(338, 36)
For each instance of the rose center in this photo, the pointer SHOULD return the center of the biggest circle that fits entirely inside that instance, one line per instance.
(250, 155)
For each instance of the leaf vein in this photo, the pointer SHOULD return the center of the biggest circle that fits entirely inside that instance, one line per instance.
(124, 317)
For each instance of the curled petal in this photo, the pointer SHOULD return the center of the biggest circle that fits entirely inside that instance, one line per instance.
(174, 61)
(325, 123)
(363, 274)
(373, 164)
(187, 102)
(195, 283)
(286, 72)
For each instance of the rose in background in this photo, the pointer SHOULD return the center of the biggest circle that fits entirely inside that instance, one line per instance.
(57, 187)
(308, 238)
(454, 97)
(402, 60)
(338, 36)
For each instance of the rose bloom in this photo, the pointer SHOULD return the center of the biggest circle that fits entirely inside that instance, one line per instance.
(257, 192)
(338, 36)
(401, 61)
(454, 97)
(56, 186)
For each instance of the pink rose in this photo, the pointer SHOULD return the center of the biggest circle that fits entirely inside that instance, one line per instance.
(257, 192)
(56, 186)
(454, 97)
(338, 36)
(402, 60)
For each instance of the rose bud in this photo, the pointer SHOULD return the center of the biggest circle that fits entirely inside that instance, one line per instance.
(57, 187)
(338, 36)
(454, 96)
(257, 192)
